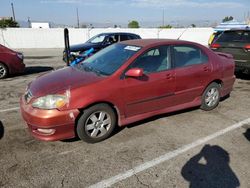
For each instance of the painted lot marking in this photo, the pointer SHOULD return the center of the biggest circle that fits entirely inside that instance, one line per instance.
(163, 158)
(9, 109)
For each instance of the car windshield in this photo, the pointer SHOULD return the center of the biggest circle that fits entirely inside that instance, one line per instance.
(97, 39)
(108, 60)
(235, 36)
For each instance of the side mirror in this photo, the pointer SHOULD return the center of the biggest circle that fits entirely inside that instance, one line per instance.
(134, 72)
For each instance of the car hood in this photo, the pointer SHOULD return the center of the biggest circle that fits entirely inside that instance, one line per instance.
(82, 47)
(61, 80)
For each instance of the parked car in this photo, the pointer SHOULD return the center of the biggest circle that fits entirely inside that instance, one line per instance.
(99, 42)
(124, 83)
(11, 62)
(214, 37)
(237, 43)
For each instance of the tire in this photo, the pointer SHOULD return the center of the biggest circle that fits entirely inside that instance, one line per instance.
(3, 71)
(210, 97)
(96, 123)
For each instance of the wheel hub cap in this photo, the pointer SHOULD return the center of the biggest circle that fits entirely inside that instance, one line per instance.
(212, 97)
(2, 71)
(98, 124)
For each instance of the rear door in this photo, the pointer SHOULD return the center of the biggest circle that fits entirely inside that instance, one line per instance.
(192, 69)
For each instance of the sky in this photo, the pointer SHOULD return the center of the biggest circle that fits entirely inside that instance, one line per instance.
(118, 12)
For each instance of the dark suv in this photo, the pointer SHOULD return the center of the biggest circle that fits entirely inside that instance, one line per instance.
(237, 43)
(101, 41)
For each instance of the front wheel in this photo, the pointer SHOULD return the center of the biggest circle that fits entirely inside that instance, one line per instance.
(3, 71)
(211, 97)
(96, 123)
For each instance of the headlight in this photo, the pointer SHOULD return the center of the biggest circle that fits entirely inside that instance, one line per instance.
(20, 55)
(50, 102)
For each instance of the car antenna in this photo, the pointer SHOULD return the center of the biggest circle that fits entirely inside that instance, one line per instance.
(182, 33)
(67, 47)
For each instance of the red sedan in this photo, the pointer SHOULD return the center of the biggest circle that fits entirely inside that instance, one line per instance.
(124, 83)
(11, 62)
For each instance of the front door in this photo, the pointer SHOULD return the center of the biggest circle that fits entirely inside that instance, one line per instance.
(155, 89)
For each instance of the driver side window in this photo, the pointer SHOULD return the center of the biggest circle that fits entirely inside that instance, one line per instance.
(154, 60)
(112, 39)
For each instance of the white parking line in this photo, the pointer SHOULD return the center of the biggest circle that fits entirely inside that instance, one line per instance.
(9, 109)
(163, 158)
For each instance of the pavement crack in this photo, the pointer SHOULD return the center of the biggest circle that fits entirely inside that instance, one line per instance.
(143, 184)
(62, 182)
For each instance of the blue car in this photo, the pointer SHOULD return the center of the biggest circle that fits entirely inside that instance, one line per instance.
(99, 42)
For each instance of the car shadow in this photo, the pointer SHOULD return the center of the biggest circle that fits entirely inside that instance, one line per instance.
(210, 168)
(31, 70)
(39, 57)
(247, 134)
(36, 69)
(242, 76)
(1, 130)
(71, 140)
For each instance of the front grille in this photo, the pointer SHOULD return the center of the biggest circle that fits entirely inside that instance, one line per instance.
(28, 96)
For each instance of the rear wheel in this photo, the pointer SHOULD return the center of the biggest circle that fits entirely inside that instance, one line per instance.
(3, 71)
(96, 123)
(211, 97)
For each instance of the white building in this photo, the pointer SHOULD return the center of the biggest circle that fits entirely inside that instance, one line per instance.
(40, 25)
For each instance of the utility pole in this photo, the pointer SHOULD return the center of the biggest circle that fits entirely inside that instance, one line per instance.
(163, 17)
(77, 17)
(13, 11)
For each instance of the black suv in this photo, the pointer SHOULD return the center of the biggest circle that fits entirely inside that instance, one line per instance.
(237, 43)
(101, 41)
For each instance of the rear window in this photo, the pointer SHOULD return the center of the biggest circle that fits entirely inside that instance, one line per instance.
(188, 55)
(124, 37)
(235, 36)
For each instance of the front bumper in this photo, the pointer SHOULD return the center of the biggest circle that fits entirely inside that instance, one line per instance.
(61, 122)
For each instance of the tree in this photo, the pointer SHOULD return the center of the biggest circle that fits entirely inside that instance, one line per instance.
(83, 26)
(193, 25)
(133, 24)
(166, 27)
(8, 23)
(227, 18)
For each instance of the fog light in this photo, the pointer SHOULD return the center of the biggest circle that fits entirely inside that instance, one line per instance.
(46, 131)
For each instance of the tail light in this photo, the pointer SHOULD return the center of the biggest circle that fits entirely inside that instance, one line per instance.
(247, 47)
(215, 46)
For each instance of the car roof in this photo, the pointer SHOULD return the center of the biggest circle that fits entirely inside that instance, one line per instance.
(238, 29)
(154, 42)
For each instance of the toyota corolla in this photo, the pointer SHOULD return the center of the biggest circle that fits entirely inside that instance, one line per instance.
(124, 83)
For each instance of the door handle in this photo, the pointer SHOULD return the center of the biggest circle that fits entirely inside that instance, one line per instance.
(206, 69)
(169, 76)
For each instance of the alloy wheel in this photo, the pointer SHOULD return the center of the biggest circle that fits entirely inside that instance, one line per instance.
(212, 97)
(3, 71)
(98, 124)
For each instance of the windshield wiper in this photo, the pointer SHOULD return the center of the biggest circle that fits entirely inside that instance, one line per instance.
(87, 68)
(91, 69)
